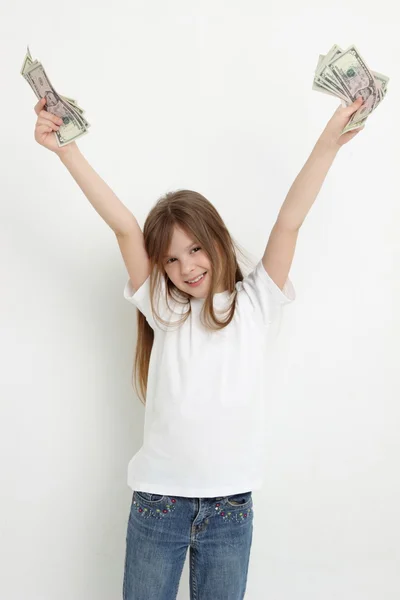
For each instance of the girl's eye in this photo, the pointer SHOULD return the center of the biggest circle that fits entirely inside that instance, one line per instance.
(171, 259)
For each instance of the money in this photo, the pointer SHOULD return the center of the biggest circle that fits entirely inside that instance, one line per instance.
(75, 124)
(345, 74)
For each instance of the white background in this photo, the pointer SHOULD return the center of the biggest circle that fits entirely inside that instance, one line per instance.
(216, 97)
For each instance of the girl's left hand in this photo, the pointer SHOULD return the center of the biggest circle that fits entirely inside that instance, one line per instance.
(332, 135)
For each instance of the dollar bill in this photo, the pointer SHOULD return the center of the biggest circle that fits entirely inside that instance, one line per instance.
(345, 74)
(75, 124)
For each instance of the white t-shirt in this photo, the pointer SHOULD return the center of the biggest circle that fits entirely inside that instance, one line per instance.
(204, 416)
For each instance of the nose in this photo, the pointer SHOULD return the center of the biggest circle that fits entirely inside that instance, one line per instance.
(188, 273)
(187, 270)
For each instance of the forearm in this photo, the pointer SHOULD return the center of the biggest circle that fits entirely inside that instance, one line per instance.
(99, 194)
(306, 186)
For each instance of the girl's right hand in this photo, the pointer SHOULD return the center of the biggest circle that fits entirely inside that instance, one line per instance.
(46, 125)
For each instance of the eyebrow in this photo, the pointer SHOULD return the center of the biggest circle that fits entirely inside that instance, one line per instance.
(187, 248)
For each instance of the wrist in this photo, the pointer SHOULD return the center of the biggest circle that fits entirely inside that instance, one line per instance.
(326, 146)
(67, 152)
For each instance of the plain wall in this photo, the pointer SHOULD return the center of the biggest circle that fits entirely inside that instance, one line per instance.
(216, 97)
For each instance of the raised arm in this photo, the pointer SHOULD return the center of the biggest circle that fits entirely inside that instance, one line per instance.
(117, 216)
(100, 195)
(279, 252)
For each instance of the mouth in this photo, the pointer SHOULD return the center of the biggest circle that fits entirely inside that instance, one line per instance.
(197, 281)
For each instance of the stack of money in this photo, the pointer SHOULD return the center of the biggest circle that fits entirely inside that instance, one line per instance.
(344, 74)
(75, 124)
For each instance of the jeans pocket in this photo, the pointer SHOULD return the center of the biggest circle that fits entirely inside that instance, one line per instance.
(146, 497)
(240, 500)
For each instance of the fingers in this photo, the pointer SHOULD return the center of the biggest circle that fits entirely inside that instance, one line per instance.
(356, 104)
(351, 107)
(47, 123)
(44, 114)
(44, 129)
(38, 107)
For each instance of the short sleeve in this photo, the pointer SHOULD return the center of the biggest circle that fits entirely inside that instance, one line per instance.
(141, 299)
(265, 296)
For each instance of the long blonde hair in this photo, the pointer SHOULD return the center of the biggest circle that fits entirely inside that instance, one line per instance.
(195, 215)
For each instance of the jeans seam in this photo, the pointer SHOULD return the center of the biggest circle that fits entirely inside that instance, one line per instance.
(193, 578)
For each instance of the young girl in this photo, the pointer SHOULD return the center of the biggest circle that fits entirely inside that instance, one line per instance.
(200, 363)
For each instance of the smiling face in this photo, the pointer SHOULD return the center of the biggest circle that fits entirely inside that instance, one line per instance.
(186, 260)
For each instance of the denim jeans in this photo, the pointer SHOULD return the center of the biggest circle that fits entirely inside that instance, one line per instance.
(218, 532)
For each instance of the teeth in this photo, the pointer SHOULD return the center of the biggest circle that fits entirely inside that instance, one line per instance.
(198, 279)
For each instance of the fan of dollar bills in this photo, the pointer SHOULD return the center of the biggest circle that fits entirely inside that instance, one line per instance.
(340, 73)
(344, 74)
(75, 124)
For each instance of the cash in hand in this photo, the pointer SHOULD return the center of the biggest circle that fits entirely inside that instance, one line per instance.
(74, 123)
(345, 74)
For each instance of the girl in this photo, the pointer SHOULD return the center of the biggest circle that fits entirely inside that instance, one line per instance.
(200, 358)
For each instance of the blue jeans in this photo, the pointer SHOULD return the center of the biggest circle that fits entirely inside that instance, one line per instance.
(218, 532)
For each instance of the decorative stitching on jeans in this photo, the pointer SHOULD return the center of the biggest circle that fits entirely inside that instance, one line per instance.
(228, 515)
(157, 513)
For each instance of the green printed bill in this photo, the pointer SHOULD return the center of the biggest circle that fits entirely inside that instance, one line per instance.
(340, 73)
(74, 123)
(345, 74)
